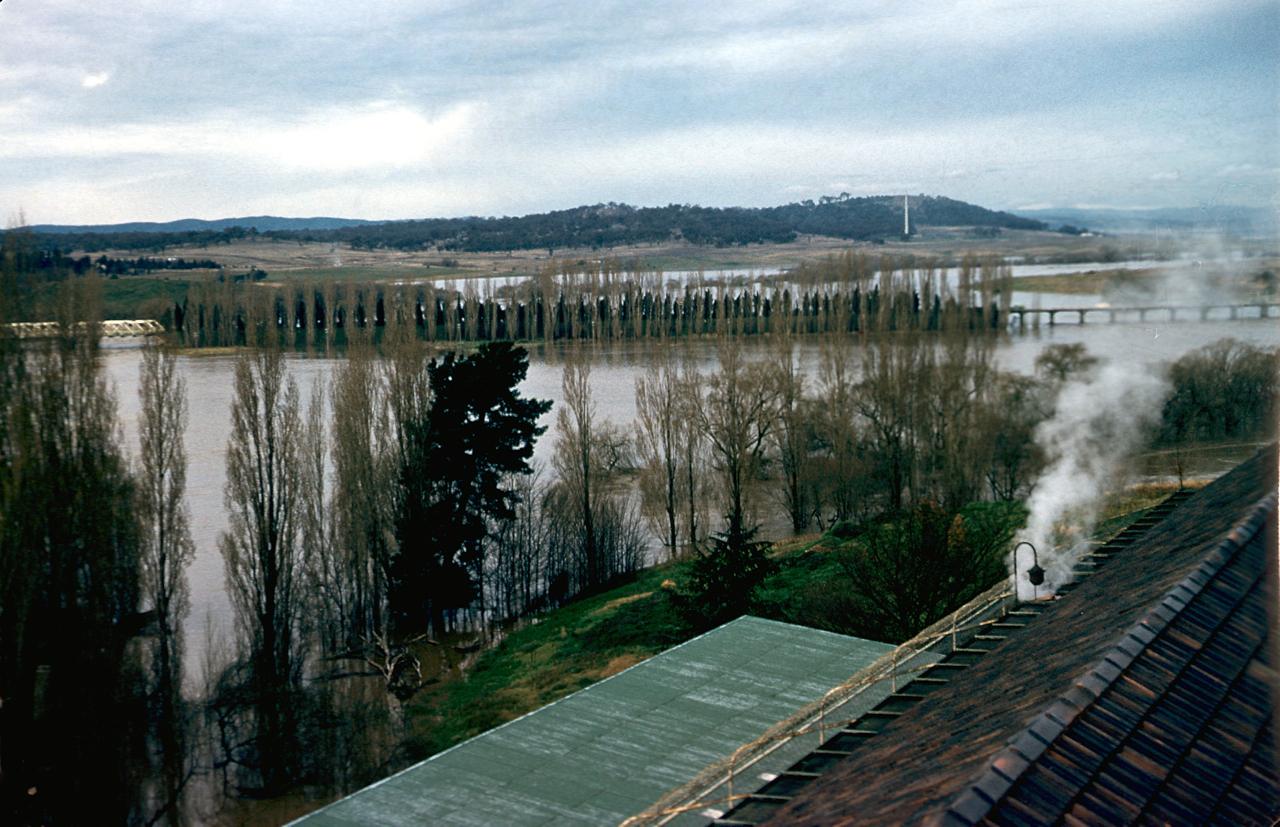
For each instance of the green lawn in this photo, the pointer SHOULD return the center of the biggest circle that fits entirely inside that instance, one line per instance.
(568, 648)
(140, 297)
(126, 297)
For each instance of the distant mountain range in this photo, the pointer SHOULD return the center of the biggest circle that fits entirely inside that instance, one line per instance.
(1250, 221)
(261, 223)
(598, 225)
(610, 224)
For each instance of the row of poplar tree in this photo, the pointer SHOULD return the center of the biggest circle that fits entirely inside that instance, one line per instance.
(606, 301)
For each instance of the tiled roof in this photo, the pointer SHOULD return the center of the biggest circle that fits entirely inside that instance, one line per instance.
(1145, 694)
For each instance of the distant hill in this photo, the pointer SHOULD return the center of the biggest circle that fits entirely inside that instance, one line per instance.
(1237, 220)
(596, 226)
(261, 223)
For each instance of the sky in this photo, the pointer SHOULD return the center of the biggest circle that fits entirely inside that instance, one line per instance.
(157, 110)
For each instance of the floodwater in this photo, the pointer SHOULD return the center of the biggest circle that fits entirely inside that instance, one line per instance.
(614, 371)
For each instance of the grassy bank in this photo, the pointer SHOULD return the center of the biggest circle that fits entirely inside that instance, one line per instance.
(553, 656)
(1089, 282)
(126, 297)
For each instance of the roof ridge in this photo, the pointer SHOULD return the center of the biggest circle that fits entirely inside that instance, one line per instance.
(975, 800)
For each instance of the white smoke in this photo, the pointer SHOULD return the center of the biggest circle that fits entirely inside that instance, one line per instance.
(1211, 270)
(1097, 422)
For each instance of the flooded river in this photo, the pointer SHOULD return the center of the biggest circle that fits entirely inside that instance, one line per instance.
(615, 368)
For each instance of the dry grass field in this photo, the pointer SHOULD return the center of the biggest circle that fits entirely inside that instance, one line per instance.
(323, 261)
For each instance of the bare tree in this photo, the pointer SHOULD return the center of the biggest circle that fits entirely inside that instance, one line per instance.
(955, 379)
(1010, 414)
(658, 435)
(738, 413)
(262, 549)
(844, 474)
(692, 447)
(518, 558)
(316, 518)
(579, 473)
(886, 401)
(791, 436)
(165, 550)
(407, 389)
(354, 576)
(69, 589)
(166, 544)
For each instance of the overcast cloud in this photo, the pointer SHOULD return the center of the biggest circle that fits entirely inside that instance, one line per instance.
(155, 110)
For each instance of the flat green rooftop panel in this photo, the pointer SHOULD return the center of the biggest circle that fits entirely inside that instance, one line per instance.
(613, 748)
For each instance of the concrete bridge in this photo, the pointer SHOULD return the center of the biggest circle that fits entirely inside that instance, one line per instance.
(115, 328)
(1155, 312)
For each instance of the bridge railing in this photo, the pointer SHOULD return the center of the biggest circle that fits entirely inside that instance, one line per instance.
(1164, 312)
(116, 328)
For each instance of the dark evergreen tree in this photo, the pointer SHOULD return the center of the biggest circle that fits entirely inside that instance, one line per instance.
(477, 434)
(725, 575)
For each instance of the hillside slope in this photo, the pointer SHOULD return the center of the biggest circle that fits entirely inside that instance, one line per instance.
(599, 225)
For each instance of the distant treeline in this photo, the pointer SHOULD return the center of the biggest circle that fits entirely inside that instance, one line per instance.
(846, 293)
(137, 266)
(92, 242)
(51, 265)
(598, 226)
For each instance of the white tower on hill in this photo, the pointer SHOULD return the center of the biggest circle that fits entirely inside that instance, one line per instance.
(906, 215)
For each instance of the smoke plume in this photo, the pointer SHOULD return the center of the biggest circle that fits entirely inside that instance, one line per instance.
(1211, 270)
(1098, 421)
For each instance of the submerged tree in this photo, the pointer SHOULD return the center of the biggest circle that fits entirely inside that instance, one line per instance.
(351, 576)
(694, 484)
(843, 480)
(166, 551)
(69, 588)
(262, 550)
(738, 412)
(581, 473)
(790, 437)
(659, 426)
(1225, 390)
(166, 544)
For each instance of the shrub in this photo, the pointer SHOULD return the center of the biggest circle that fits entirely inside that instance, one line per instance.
(845, 530)
(1223, 390)
(910, 571)
(724, 577)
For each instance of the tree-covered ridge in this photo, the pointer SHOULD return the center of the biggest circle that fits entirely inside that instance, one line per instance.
(599, 225)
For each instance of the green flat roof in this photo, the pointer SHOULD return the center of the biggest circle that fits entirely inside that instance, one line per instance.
(610, 750)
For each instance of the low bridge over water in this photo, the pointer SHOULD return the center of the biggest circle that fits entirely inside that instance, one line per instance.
(117, 328)
(1020, 316)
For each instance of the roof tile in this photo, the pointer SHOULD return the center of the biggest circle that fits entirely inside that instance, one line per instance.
(1128, 667)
